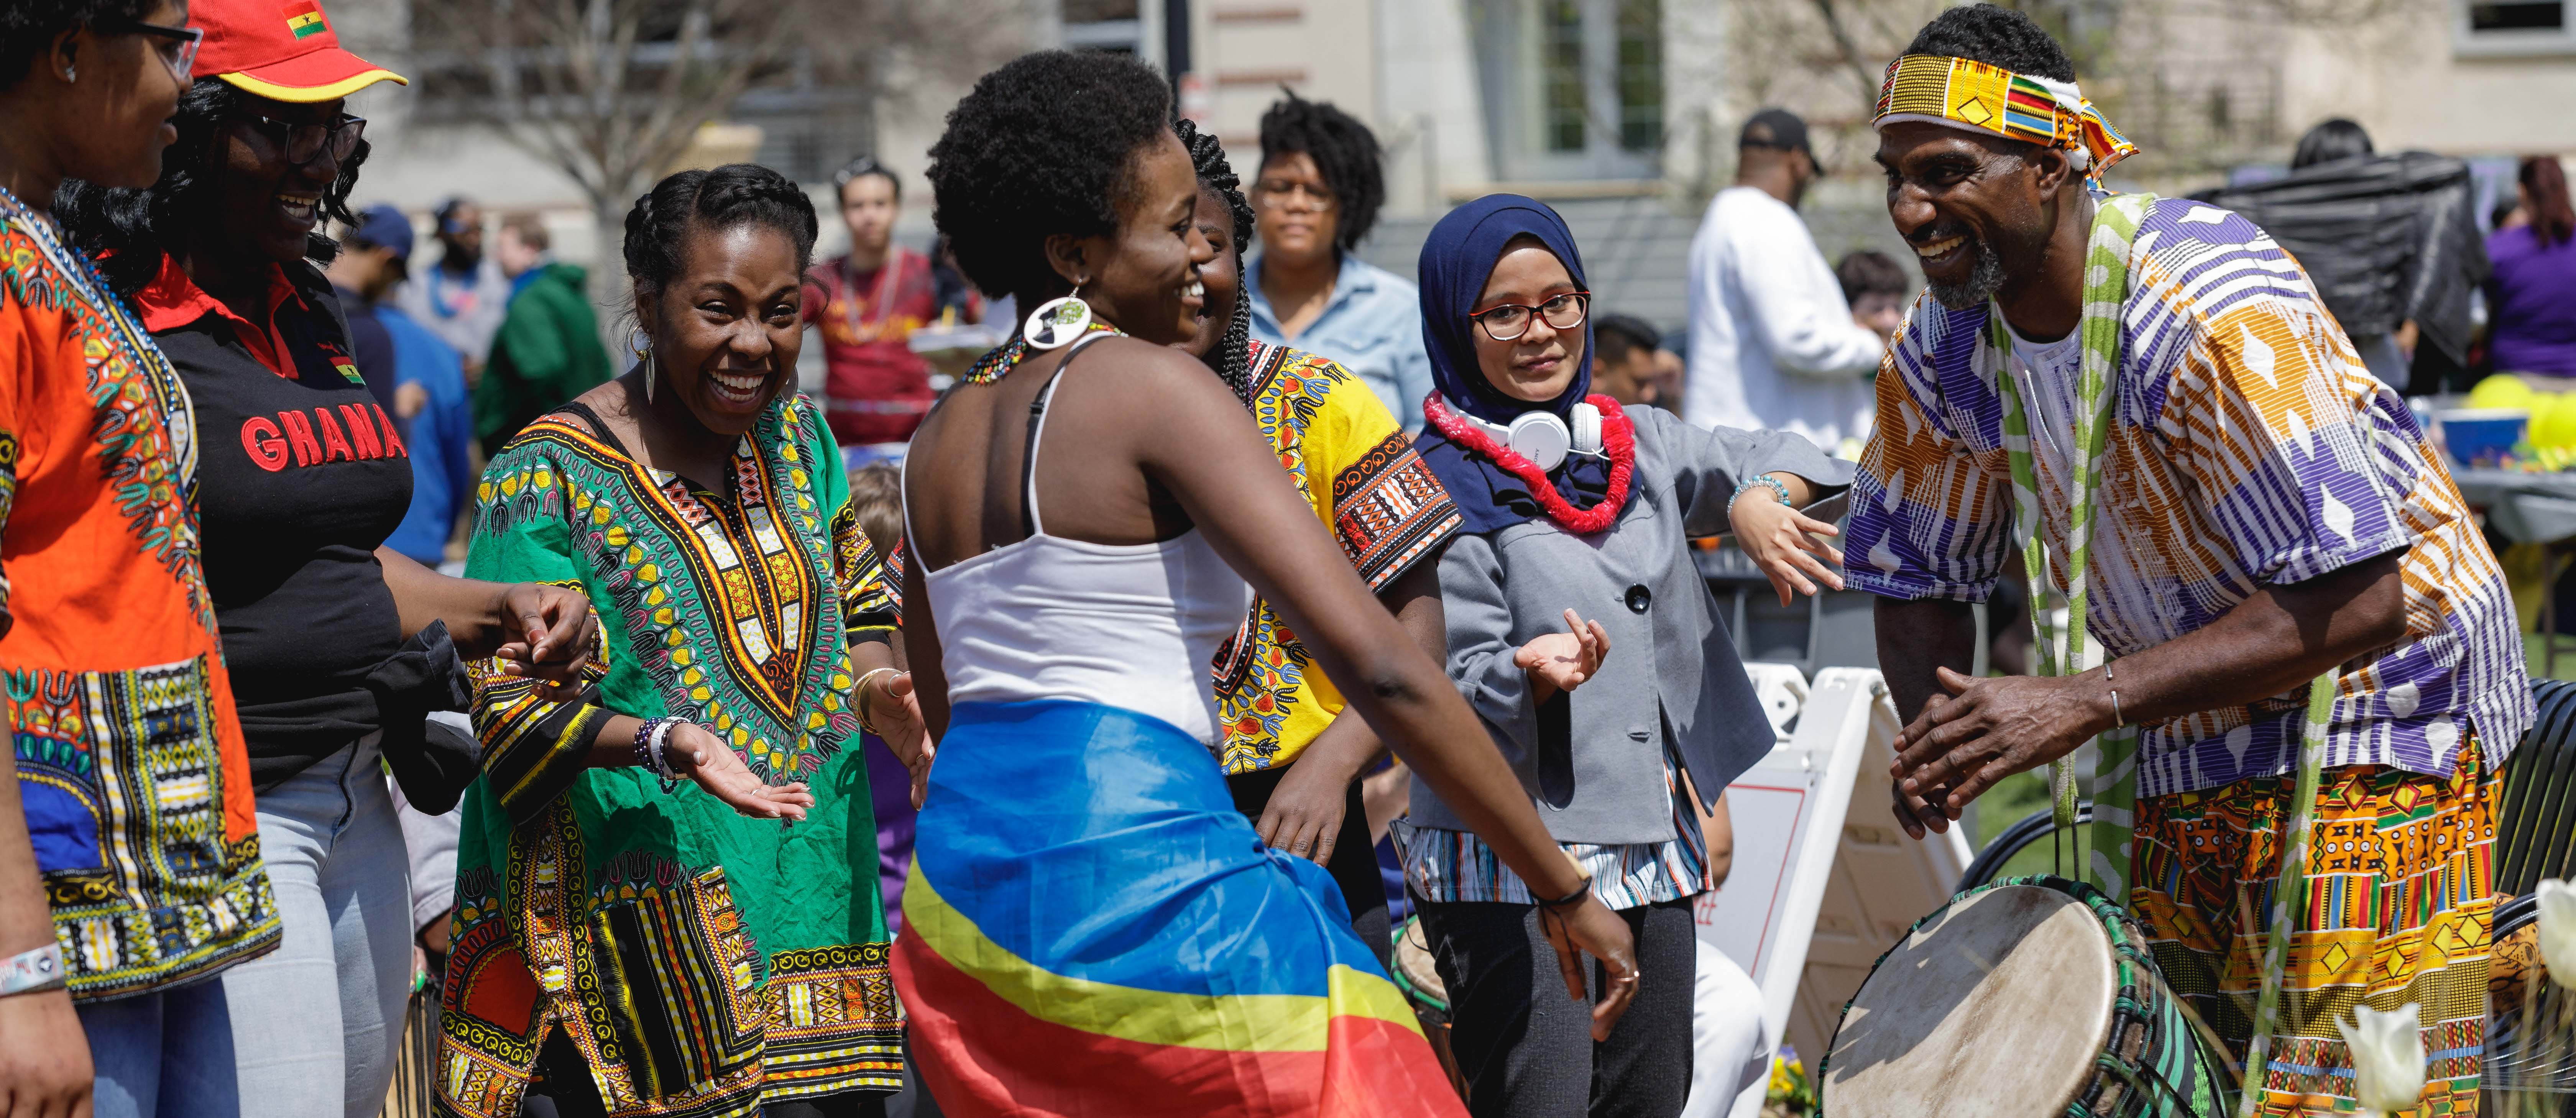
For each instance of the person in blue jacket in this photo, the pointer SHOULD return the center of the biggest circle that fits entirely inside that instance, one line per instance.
(430, 403)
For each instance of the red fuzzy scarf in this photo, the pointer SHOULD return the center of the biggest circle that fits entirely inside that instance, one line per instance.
(1618, 437)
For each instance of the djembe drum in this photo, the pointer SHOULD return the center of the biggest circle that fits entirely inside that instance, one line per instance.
(2032, 996)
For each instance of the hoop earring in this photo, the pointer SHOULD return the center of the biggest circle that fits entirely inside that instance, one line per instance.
(1057, 322)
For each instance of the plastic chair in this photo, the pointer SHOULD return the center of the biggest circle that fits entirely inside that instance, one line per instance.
(2536, 829)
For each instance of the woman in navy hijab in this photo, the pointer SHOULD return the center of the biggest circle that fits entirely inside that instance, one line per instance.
(1574, 545)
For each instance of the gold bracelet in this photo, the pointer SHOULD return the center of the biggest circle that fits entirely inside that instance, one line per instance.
(861, 691)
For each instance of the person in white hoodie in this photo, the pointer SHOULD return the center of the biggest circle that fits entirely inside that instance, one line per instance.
(1772, 343)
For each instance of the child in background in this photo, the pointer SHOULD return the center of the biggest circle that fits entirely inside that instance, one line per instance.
(1877, 287)
(876, 491)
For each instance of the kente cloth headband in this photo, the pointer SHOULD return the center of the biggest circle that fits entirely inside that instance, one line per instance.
(1964, 93)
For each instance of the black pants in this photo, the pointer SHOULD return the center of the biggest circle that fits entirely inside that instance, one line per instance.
(562, 1089)
(1526, 1049)
(1354, 862)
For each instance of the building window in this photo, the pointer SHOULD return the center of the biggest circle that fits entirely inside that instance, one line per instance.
(1574, 89)
(1641, 75)
(2507, 27)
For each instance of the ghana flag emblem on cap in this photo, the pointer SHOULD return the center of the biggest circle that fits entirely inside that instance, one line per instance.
(304, 19)
(286, 51)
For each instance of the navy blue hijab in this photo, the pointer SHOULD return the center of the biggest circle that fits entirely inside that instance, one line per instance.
(1456, 261)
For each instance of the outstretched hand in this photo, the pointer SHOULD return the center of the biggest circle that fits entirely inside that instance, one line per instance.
(1562, 661)
(1782, 542)
(695, 752)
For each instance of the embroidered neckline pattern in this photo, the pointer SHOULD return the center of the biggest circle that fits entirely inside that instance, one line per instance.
(1618, 437)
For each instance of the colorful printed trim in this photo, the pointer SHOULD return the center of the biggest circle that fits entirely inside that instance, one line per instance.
(1987, 98)
(834, 1021)
(2399, 910)
(119, 776)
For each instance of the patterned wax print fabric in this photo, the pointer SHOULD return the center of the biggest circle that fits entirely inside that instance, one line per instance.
(1091, 929)
(2248, 448)
(699, 960)
(2399, 909)
(131, 767)
(1357, 468)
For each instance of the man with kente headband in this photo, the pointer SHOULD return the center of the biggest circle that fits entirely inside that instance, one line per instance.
(2147, 398)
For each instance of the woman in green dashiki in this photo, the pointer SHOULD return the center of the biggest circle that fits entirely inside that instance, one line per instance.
(626, 943)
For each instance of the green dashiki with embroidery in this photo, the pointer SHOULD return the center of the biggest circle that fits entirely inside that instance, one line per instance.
(699, 960)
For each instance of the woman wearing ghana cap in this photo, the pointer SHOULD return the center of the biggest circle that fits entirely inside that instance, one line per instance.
(336, 647)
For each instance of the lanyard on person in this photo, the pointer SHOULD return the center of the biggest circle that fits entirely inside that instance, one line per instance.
(2109, 763)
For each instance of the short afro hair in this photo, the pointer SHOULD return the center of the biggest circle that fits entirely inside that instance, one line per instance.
(1997, 37)
(1043, 145)
(28, 28)
(1345, 153)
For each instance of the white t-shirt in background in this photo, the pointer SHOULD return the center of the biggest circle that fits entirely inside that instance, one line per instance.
(1772, 343)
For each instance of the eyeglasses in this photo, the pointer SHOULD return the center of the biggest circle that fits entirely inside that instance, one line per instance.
(1274, 194)
(178, 46)
(1511, 320)
(304, 140)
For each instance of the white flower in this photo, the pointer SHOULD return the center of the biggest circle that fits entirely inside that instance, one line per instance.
(2558, 931)
(2387, 1057)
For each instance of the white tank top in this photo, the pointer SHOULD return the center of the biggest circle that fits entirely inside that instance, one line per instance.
(1134, 626)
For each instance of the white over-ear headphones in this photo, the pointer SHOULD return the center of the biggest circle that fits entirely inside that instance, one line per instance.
(1543, 438)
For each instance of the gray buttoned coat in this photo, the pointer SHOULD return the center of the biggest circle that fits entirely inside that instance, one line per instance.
(1592, 759)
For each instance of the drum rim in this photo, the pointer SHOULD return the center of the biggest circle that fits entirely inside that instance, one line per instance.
(2072, 891)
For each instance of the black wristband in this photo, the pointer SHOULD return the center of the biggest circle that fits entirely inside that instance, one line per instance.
(1573, 898)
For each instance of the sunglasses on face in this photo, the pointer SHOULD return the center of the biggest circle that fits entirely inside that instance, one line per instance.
(177, 46)
(303, 141)
(1511, 320)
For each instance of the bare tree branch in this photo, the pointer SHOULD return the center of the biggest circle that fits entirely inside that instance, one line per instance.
(1852, 58)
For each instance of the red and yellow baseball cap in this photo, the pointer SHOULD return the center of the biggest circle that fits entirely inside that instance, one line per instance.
(284, 50)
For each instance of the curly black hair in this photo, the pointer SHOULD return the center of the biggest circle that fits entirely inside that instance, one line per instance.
(133, 229)
(1232, 357)
(728, 197)
(1997, 37)
(28, 28)
(1041, 146)
(1345, 153)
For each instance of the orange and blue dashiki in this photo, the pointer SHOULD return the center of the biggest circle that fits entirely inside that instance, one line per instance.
(1092, 930)
(2250, 448)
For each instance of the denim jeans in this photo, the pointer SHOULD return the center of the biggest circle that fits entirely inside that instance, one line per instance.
(169, 1052)
(316, 1024)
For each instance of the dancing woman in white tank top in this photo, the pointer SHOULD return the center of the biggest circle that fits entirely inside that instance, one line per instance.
(1091, 929)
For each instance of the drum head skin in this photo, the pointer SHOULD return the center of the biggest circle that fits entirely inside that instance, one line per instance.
(1996, 1009)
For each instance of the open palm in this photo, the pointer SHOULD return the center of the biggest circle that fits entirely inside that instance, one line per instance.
(706, 760)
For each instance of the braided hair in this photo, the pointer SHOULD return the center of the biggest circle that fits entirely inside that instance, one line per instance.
(133, 229)
(728, 197)
(1345, 154)
(1232, 357)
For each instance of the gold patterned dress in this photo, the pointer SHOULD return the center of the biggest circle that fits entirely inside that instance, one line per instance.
(701, 962)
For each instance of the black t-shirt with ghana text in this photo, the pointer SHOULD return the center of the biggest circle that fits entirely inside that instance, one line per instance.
(299, 481)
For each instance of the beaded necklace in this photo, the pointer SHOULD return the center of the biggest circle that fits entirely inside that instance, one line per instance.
(1001, 358)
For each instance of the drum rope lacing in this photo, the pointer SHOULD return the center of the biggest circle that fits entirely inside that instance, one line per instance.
(2110, 760)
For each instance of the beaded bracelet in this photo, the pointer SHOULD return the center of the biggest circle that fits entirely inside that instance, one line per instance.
(1765, 481)
(650, 737)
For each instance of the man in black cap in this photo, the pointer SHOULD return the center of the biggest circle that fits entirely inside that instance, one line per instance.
(1772, 343)
(375, 255)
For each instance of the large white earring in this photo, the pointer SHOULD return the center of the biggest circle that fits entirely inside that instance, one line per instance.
(642, 344)
(1057, 322)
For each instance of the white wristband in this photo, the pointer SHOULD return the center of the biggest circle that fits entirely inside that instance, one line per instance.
(31, 971)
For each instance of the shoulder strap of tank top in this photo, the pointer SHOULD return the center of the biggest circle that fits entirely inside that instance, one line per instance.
(1029, 522)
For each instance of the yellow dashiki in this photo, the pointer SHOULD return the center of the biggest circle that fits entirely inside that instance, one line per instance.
(1383, 505)
(700, 961)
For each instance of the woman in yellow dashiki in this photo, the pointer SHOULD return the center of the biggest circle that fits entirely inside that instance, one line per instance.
(627, 943)
(1292, 762)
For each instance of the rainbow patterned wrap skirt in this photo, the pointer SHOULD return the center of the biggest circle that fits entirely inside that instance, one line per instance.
(1091, 930)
